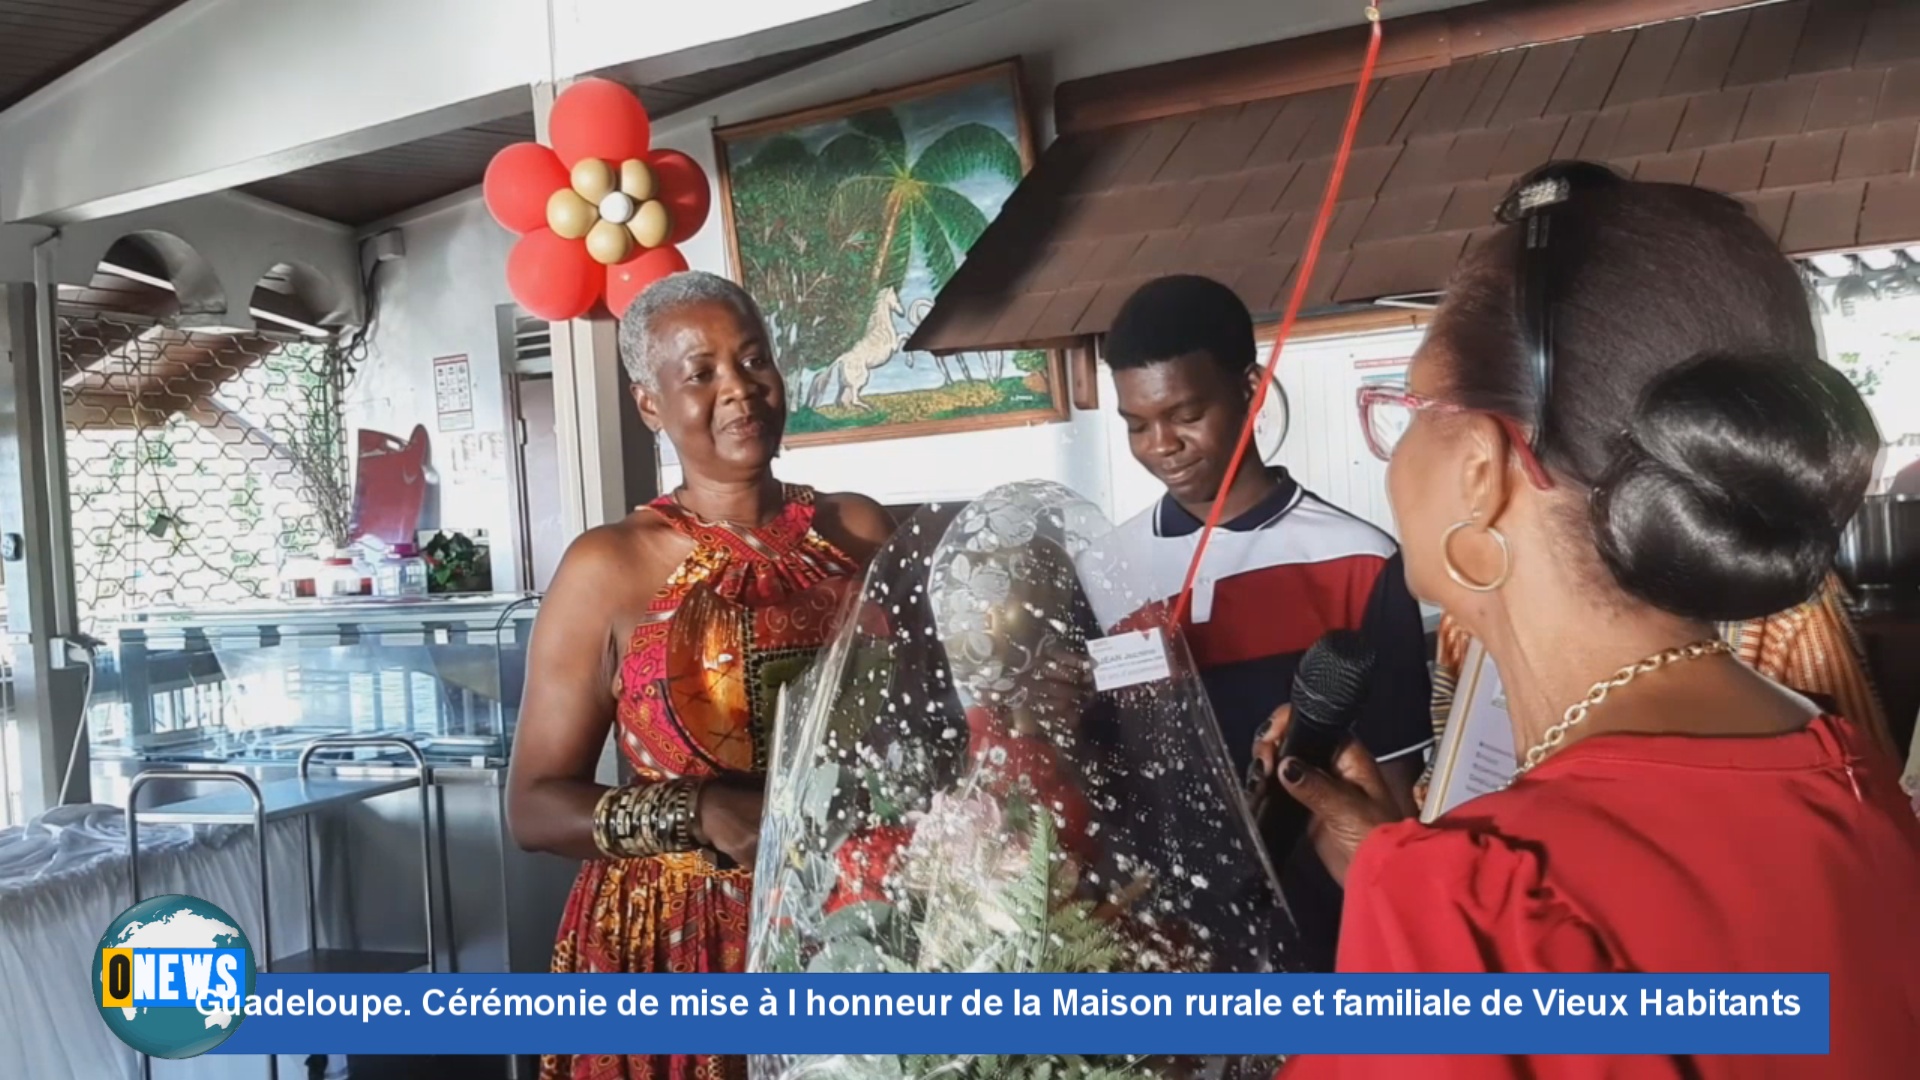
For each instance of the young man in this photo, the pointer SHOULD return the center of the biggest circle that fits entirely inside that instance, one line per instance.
(1283, 569)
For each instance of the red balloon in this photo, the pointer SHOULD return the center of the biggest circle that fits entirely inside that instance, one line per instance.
(553, 278)
(685, 190)
(631, 278)
(520, 180)
(598, 118)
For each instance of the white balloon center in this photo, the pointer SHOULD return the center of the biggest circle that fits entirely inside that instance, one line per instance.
(617, 207)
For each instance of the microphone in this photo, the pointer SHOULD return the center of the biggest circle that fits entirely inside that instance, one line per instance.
(1327, 689)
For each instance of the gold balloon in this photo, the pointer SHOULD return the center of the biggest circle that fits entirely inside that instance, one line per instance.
(651, 224)
(593, 179)
(637, 180)
(569, 215)
(609, 243)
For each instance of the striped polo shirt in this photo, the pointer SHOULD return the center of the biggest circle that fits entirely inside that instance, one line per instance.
(1275, 580)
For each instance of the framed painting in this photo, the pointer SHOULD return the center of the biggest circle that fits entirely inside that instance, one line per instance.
(846, 221)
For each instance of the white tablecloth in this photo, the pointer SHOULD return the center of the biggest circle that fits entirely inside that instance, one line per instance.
(63, 879)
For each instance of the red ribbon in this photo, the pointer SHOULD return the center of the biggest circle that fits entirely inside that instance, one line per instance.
(1305, 278)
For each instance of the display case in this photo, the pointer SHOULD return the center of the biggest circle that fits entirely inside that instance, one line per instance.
(256, 684)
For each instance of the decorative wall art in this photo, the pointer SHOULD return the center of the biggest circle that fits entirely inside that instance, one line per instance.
(846, 221)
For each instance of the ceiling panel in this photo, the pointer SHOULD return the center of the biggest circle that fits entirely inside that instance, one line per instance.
(361, 190)
(40, 40)
(369, 188)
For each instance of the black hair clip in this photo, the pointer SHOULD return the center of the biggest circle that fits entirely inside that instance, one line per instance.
(1533, 200)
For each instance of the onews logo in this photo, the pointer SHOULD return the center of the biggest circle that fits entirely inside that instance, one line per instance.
(171, 974)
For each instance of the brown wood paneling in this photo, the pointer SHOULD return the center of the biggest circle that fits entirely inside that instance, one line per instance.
(1803, 160)
(1893, 33)
(1823, 219)
(1541, 70)
(1679, 167)
(1885, 149)
(1711, 119)
(1590, 75)
(1649, 62)
(1770, 210)
(1471, 206)
(1412, 44)
(1734, 167)
(1743, 101)
(1778, 108)
(1528, 145)
(1767, 48)
(1704, 59)
(1832, 40)
(1900, 97)
(1649, 128)
(1844, 99)
(1891, 212)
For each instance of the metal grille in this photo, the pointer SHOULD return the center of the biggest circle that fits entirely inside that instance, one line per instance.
(196, 461)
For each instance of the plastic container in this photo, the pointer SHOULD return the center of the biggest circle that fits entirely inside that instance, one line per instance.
(339, 577)
(413, 570)
(299, 578)
(403, 573)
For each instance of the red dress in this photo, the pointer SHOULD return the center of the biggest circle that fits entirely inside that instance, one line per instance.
(743, 615)
(1640, 853)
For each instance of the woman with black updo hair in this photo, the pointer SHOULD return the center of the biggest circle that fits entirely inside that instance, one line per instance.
(1619, 432)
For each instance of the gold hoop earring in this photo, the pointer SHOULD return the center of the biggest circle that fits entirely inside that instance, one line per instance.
(1461, 579)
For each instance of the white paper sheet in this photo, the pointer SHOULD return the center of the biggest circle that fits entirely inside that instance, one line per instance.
(1476, 754)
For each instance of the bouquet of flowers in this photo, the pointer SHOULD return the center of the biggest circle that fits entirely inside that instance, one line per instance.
(931, 808)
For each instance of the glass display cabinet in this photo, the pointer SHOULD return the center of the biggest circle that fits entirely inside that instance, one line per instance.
(256, 684)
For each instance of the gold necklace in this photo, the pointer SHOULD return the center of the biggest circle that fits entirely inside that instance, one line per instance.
(1576, 714)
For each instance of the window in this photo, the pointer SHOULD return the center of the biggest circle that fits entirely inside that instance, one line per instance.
(1868, 307)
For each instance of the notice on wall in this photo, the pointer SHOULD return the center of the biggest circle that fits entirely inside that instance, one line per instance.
(453, 392)
(478, 455)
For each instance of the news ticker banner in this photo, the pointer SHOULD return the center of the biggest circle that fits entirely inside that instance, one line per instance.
(1030, 1014)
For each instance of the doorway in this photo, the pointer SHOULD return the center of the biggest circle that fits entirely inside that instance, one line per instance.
(527, 358)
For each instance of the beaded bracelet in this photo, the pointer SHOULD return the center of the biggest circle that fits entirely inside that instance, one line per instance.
(646, 819)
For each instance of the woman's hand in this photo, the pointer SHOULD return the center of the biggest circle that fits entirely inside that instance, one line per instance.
(1346, 805)
(1057, 688)
(727, 819)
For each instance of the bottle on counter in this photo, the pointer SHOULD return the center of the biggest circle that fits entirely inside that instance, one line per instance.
(403, 573)
(413, 570)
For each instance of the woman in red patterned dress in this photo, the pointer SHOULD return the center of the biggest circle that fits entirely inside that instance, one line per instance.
(676, 626)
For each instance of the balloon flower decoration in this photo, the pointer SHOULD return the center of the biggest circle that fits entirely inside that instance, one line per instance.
(599, 215)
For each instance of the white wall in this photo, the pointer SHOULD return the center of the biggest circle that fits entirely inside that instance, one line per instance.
(440, 300)
(1058, 40)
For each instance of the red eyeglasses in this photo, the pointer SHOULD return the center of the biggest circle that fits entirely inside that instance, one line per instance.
(1387, 411)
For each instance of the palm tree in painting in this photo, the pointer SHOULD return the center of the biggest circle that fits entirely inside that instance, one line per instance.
(920, 208)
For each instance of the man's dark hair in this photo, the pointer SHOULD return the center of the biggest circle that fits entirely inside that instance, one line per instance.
(1175, 316)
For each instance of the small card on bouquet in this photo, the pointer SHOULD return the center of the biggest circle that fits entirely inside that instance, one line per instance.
(1129, 659)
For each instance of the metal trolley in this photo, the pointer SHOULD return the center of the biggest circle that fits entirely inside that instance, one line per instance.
(259, 805)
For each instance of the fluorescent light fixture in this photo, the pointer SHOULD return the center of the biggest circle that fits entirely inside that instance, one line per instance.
(307, 329)
(1880, 260)
(1833, 266)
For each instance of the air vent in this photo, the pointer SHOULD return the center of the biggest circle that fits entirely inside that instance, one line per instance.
(532, 345)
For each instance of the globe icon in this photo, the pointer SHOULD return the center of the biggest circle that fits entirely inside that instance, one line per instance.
(174, 922)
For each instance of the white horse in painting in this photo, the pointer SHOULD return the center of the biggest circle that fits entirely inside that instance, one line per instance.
(875, 347)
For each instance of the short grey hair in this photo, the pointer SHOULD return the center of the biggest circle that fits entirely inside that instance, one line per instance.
(640, 324)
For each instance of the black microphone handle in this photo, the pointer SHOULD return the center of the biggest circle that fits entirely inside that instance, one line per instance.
(1283, 820)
